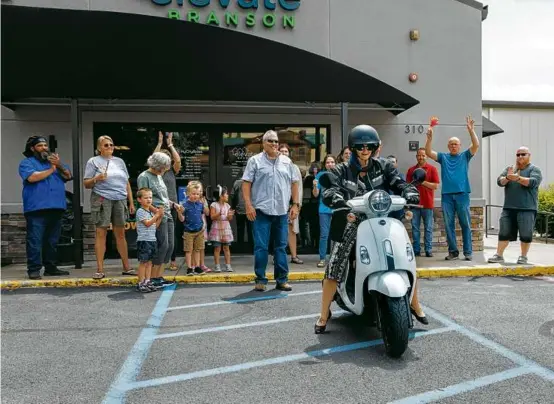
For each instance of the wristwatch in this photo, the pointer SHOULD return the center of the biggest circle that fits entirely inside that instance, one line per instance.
(295, 203)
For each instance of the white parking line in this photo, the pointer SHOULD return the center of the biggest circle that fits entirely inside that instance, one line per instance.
(244, 300)
(243, 325)
(267, 362)
(463, 387)
(502, 350)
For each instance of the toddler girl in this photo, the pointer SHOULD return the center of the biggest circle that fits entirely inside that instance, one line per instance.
(221, 234)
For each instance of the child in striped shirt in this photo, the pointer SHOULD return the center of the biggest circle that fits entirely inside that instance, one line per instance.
(147, 245)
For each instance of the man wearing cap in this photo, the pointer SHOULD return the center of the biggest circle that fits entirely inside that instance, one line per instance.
(44, 178)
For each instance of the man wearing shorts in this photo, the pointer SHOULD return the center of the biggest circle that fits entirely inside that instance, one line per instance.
(521, 193)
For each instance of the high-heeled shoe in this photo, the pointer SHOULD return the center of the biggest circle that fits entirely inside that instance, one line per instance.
(421, 319)
(320, 329)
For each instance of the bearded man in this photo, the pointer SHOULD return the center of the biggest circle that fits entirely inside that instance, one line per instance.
(44, 178)
(521, 193)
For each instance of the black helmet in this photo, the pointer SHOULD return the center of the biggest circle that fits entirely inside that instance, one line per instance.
(363, 135)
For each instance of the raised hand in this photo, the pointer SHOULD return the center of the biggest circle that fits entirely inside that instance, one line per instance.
(470, 123)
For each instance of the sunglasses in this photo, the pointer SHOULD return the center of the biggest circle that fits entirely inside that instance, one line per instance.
(368, 146)
(272, 141)
(521, 154)
(107, 145)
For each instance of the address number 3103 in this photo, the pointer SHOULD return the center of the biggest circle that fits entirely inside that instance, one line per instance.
(414, 129)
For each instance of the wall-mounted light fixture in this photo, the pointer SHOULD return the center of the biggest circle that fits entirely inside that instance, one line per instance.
(414, 34)
(412, 77)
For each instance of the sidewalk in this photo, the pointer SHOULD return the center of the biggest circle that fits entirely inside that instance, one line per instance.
(541, 262)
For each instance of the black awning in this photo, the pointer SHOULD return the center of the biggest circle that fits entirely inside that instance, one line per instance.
(56, 53)
(490, 128)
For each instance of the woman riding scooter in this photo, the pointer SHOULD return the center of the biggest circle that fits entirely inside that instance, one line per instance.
(363, 173)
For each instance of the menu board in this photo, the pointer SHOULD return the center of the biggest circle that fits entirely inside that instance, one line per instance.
(191, 163)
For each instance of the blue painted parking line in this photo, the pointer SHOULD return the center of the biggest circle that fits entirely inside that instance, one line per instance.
(515, 357)
(270, 361)
(133, 364)
(244, 300)
(244, 325)
(463, 387)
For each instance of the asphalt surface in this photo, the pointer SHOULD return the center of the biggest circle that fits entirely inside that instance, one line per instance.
(80, 346)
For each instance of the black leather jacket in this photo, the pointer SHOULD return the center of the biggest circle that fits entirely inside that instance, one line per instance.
(381, 174)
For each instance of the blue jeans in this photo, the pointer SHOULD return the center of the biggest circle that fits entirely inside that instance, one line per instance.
(427, 215)
(457, 204)
(263, 227)
(324, 227)
(43, 233)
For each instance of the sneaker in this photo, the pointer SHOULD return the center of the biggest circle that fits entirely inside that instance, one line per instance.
(228, 268)
(321, 264)
(143, 288)
(451, 256)
(205, 269)
(468, 257)
(417, 254)
(190, 271)
(151, 286)
(496, 259)
(283, 286)
(198, 271)
(260, 287)
(429, 254)
(217, 268)
(35, 275)
(521, 260)
(165, 282)
(55, 272)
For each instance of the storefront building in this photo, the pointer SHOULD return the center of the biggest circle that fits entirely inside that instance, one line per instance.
(220, 73)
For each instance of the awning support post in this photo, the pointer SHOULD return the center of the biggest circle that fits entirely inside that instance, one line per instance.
(77, 210)
(344, 123)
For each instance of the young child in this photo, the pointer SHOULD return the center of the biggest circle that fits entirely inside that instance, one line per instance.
(201, 262)
(221, 234)
(147, 222)
(194, 228)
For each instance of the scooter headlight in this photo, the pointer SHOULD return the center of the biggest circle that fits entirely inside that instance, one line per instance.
(379, 201)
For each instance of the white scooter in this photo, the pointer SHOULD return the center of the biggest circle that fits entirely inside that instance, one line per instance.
(381, 271)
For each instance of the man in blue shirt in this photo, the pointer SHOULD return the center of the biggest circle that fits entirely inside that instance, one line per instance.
(44, 178)
(455, 188)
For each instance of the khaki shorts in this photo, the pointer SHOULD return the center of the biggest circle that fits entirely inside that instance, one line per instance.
(105, 211)
(194, 241)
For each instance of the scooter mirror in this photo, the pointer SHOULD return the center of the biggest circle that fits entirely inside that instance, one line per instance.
(327, 179)
(418, 176)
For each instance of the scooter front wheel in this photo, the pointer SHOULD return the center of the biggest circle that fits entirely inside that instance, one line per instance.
(394, 319)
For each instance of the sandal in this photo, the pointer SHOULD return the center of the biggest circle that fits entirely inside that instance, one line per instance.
(173, 267)
(296, 260)
(129, 272)
(99, 275)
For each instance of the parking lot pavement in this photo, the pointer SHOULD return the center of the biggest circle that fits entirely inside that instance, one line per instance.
(487, 343)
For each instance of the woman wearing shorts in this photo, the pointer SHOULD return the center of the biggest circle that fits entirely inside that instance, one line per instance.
(108, 178)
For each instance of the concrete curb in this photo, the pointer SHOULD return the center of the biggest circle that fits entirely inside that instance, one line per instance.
(293, 276)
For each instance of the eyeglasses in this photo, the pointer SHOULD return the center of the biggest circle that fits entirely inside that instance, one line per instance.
(107, 145)
(521, 154)
(272, 141)
(369, 146)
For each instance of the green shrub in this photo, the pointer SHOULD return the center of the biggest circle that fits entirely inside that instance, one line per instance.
(546, 204)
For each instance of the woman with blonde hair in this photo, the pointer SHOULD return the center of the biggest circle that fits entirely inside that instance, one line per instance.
(108, 178)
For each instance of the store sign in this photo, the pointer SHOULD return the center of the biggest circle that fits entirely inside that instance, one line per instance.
(221, 17)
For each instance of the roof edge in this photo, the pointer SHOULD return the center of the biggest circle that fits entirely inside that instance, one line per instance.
(518, 104)
(472, 3)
